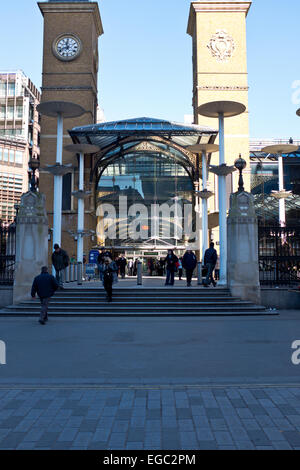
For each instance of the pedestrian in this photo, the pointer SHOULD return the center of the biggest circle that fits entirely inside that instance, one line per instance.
(189, 263)
(60, 261)
(210, 261)
(103, 253)
(150, 266)
(122, 263)
(109, 271)
(44, 286)
(171, 264)
(130, 267)
(180, 270)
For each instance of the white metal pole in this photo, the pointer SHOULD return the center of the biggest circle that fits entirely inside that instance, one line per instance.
(222, 207)
(58, 182)
(282, 217)
(204, 207)
(80, 225)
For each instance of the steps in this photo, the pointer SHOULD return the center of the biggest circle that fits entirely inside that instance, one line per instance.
(140, 302)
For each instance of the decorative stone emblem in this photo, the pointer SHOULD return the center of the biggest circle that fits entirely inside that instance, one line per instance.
(221, 45)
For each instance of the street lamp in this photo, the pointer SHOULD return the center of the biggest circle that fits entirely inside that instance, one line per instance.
(222, 110)
(240, 164)
(34, 165)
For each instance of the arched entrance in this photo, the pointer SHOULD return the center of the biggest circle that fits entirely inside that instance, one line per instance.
(143, 163)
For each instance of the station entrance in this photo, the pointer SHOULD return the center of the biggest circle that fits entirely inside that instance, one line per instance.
(145, 181)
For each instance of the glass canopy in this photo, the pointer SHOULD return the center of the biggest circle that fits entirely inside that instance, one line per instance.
(108, 134)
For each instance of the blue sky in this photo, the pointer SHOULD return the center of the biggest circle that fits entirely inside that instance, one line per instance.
(146, 59)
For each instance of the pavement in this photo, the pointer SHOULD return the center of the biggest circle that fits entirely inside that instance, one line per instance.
(175, 383)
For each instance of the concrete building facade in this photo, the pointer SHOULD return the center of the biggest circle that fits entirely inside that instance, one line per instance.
(19, 138)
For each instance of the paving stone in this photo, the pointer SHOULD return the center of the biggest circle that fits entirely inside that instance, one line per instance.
(134, 446)
(214, 413)
(293, 438)
(259, 438)
(207, 445)
(183, 413)
(244, 445)
(238, 403)
(232, 447)
(68, 435)
(186, 425)
(117, 441)
(123, 414)
(120, 426)
(223, 437)
(153, 414)
(264, 448)
(244, 413)
(11, 422)
(12, 440)
(114, 401)
(218, 425)
(282, 445)
(205, 435)
(82, 439)
(34, 435)
(88, 425)
(48, 439)
(188, 439)
(136, 434)
(26, 446)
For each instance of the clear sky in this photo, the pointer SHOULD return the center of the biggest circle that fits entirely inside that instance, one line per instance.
(146, 59)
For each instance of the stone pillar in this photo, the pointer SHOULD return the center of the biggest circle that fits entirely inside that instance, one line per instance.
(242, 263)
(31, 243)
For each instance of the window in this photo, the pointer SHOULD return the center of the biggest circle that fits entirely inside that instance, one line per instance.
(5, 155)
(11, 89)
(67, 192)
(19, 157)
(11, 156)
(2, 112)
(19, 112)
(10, 112)
(2, 89)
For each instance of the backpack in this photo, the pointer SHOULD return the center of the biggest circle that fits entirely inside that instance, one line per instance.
(108, 276)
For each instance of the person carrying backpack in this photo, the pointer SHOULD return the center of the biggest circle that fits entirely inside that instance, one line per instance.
(109, 272)
(210, 261)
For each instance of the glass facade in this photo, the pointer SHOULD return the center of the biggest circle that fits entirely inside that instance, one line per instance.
(144, 179)
(265, 179)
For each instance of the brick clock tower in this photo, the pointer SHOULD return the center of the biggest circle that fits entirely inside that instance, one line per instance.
(70, 73)
(218, 30)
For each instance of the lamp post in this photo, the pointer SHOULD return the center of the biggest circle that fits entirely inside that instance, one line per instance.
(81, 149)
(222, 110)
(282, 194)
(240, 164)
(34, 165)
(60, 110)
(204, 195)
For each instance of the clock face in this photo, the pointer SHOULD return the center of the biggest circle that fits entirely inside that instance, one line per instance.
(67, 47)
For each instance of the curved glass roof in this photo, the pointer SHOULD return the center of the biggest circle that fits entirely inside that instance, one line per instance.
(107, 134)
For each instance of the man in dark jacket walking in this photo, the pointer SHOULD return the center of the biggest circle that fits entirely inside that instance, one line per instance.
(60, 261)
(189, 262)
(171, 264)
(210, 261)
(122, 263)
(44, 286)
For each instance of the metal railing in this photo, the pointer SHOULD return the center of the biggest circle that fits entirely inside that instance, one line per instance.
(7, 253)
(279, 255)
